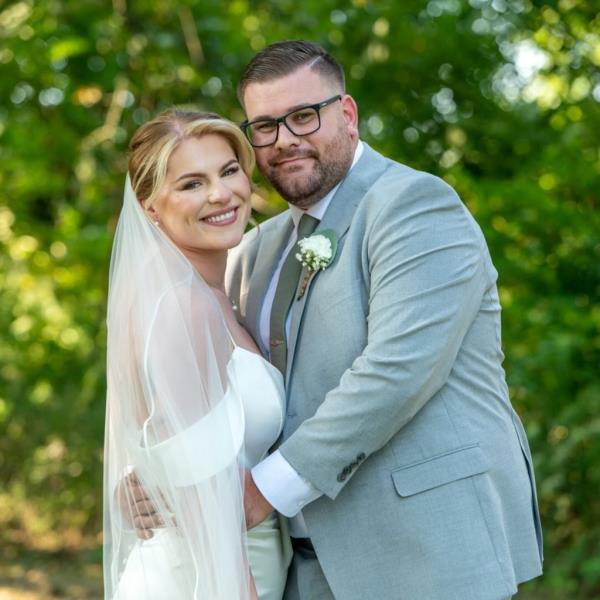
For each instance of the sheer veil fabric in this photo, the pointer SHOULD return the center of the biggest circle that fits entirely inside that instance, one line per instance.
(174, 415)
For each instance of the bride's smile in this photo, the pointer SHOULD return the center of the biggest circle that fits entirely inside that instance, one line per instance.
(221, 218)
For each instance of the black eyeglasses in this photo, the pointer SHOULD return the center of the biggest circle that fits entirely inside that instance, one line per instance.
(301, 121)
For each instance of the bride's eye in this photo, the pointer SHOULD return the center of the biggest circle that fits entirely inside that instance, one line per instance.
(191, 185)
(232, 170)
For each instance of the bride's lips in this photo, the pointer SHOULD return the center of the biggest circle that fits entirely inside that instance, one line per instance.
(220, 218)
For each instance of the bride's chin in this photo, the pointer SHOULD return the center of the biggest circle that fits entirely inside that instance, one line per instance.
(235, 242)
(231, 241)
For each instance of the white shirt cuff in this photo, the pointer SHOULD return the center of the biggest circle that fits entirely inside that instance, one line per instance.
(285, 489)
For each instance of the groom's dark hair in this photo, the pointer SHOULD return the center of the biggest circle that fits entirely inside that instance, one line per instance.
(282, 58)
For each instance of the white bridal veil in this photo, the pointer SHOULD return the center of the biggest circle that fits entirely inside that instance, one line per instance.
(175, 418)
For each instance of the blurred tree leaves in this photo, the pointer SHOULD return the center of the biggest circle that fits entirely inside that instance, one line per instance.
(500, 97)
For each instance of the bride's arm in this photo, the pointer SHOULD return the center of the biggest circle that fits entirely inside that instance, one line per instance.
(253, 592)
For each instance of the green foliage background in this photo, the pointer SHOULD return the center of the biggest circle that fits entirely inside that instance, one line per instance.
(446, 85)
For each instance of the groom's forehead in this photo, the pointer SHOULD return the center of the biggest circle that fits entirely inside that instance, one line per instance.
(282, 94)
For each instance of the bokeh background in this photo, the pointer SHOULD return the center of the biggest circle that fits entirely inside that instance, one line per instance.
(501, 98)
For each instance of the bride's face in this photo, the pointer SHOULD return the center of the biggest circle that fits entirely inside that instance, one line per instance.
(205, 201)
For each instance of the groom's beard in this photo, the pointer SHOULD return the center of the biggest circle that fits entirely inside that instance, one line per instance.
(328, 170)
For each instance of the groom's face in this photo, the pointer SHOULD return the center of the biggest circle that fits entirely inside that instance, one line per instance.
(303, 168)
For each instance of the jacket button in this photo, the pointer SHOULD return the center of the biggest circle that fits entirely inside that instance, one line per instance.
(361, 457)
(342, 477)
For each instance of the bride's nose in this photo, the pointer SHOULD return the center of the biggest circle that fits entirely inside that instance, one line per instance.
(219, 192)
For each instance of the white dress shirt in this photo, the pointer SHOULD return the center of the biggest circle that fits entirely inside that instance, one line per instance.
(284, 488)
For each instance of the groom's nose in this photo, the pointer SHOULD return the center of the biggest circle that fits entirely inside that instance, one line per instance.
(286, 138)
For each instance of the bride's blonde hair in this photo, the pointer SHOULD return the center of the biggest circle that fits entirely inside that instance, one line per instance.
(153, 143)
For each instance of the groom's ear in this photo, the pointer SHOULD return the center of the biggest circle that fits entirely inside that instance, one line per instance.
(350, 112)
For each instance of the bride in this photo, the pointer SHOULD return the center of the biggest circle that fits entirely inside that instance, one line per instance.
(190, 401)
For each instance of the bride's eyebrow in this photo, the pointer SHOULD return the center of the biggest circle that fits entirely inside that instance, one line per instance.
(199, 174)
(188, 175)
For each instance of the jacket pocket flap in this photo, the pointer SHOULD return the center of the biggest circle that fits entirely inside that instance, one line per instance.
(439, 470)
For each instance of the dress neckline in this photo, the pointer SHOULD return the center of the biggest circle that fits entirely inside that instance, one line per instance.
(257, 356)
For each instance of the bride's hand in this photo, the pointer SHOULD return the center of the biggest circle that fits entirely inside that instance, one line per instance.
(136, 504)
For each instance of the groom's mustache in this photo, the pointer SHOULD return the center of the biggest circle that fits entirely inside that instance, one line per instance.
(287, 155)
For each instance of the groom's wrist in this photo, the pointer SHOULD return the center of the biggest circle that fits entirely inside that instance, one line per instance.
(285, 489)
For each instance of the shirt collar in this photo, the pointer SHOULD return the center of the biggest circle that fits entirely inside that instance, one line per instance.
(318, 209)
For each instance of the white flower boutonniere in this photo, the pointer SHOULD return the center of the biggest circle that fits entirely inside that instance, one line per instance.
(316, 253)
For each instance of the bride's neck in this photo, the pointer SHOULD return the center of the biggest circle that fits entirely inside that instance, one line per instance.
(211, 267)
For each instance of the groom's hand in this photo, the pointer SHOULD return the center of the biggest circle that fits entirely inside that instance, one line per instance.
(256, 506)
(137, 506)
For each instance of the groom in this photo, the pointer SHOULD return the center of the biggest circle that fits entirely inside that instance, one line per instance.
(402, 465)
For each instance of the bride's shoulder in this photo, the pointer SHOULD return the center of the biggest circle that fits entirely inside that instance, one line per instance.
(189, 296)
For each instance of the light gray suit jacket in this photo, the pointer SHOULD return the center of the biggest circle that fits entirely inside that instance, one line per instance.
(397, 406)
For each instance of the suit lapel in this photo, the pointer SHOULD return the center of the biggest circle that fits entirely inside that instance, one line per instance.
(267, 257)
(338, 217)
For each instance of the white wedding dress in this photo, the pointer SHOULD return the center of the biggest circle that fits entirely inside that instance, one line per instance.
(161, 568)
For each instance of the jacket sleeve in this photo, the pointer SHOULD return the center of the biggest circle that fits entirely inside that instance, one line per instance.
(426, 262)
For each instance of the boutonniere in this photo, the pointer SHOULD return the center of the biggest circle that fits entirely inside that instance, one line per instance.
(316, 254)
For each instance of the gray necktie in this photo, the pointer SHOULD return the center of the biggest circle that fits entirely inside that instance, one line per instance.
(284, 294)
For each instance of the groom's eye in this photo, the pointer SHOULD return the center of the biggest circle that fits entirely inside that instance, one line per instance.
(264, 126)
(301, 117)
